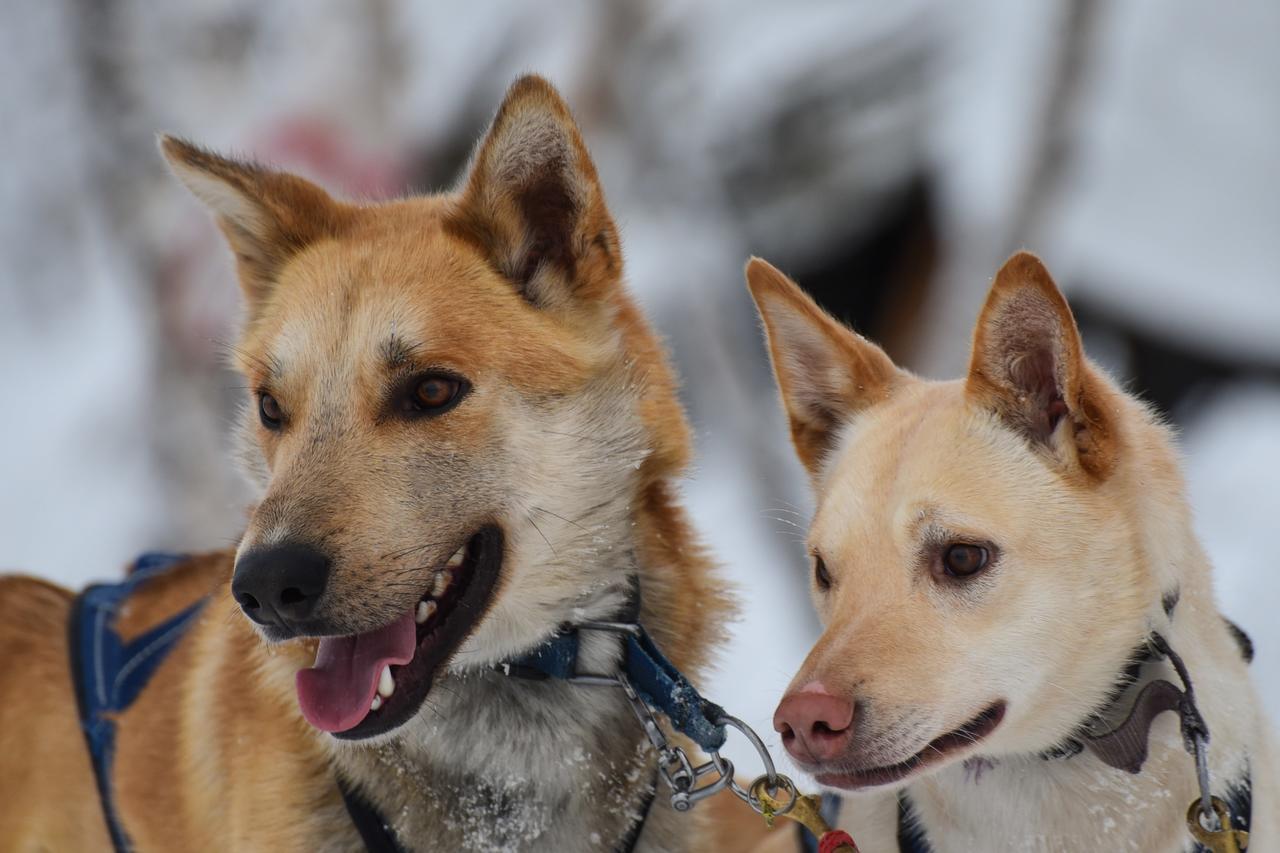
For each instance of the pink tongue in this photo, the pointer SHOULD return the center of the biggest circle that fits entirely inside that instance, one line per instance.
(335, 693)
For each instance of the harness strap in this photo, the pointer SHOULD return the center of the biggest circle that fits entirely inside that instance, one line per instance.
(98, 741)
(628, 842)
(911, 836)
(379, 837)
(376, 834)
(109, 674)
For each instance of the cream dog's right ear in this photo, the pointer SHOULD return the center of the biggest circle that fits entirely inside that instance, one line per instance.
(826, 372)
(1028, 366)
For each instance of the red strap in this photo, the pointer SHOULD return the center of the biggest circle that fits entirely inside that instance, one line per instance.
(833, 840)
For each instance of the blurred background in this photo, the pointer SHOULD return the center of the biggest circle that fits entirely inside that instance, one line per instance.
(886, 155)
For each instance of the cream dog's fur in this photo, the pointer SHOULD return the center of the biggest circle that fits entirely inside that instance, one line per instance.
(1072, 489)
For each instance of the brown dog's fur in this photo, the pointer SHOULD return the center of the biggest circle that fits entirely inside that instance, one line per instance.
(571, 438)
(1074, 490)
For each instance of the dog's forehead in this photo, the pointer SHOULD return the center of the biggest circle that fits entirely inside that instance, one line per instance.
(928, 454)
(363, 305)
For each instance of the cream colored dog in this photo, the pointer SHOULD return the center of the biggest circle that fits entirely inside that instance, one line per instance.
(992, 558)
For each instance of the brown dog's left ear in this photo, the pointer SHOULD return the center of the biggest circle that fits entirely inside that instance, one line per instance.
(267, 216)
(826, 372)
(1028, 366)
(533, 203)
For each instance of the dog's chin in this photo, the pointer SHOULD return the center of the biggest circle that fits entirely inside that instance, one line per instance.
(441, 621)
(947, 748)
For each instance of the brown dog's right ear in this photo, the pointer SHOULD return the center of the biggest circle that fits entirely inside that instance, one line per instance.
(826, 372)
(267, 216)
(533, 203)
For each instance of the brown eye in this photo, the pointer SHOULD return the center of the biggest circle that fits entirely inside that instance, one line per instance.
(821, 576)
(269, 411)
(433, 394)
(962, 560)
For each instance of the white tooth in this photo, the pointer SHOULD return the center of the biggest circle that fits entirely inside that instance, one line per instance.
(376, 703)
(426, 609)
(456, 559)
(386, 684)
(443, 579)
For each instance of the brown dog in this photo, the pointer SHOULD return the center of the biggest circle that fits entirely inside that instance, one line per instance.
(465, 435)
(992, 559)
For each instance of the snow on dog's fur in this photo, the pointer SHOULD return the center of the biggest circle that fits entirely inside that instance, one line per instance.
(418, 371)
(987, 555)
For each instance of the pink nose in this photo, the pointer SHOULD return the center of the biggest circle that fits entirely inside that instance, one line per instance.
(815, 725)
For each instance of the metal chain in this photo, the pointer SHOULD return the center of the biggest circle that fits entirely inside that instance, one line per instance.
(674, 765)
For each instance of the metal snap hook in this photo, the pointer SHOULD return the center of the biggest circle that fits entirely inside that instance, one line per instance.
(1225, 839)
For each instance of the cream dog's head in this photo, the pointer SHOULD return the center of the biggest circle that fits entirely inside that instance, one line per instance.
(978, 549)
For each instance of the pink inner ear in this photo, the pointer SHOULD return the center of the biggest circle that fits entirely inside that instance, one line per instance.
(1032, 371)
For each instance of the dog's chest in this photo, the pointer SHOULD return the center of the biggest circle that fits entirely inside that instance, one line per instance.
(1044, 807)
(504, 766)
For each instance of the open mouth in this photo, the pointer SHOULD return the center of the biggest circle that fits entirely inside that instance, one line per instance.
(368, 684)
(937, 750)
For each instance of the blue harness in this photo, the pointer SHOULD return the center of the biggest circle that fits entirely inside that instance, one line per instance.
(109, 674)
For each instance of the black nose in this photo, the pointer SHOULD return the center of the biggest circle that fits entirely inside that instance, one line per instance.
(280, 585)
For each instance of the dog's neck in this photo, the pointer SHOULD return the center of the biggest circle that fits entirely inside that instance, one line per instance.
(500, 763)
(1077, 801)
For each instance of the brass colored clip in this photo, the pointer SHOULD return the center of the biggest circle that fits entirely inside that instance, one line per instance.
(805, 810)
(1224, 840)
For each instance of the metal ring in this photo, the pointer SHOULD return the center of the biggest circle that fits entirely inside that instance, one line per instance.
(780, 782)
(770, 772)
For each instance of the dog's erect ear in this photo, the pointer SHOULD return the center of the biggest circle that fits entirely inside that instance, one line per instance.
(267, 216)
(1028, 366)
(533, 204)
(825, 371)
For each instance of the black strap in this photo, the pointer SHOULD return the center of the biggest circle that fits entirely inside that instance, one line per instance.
(628, 842)
(374, 831)
(378, 837)
(911, 837)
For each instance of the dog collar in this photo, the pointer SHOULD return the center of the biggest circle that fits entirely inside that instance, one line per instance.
(655, 679)
(652, 683)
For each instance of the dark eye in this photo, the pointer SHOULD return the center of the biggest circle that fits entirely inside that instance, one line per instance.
(962, 560)
(433, 394)
(821, 576)
(269, 411)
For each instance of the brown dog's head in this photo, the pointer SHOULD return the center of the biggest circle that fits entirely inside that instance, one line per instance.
(978, 553)
(451, 404)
